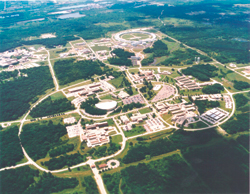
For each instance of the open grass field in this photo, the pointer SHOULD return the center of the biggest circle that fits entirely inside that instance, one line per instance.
(116, 138)
(135, 36)
(116, 82)
(109, 97)
(139, 129)
(55, 53)
(197, 125)
(77, 83)
(145, 110)
(57, 96)
(100, 48)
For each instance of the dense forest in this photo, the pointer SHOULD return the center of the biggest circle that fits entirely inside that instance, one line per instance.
(147, 61)
(121, 57)
(159, 49)
(25, 180)
(166, 175)
(240, 120)
(50, 184)
(17, 180)
(90, 185)
(204, 104)
(213, 89)
(65, 160)
(224, 167)
(11, 151)
(139, 152)
(89, 107)
(70, 70)
(7, 74)
(38, 139)
(50, 107)
(16, 95)
(201, 72)
(240, 85)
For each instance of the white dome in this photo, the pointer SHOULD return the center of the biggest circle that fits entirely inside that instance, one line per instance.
(106, 105)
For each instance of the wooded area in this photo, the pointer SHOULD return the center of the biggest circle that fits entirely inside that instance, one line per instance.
(39, 138)
(158, 49)
(89, 106)
(49, 107)
(204, 104)
(65, 160)
(167, 175)
(11, 151)
(121, 57)
(16, 95)
(70, 70)
(213, 89)
(201, 72)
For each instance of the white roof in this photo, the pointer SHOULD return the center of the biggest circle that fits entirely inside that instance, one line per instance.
(106, 105)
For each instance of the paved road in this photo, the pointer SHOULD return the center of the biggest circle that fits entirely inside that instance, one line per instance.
(52, 72)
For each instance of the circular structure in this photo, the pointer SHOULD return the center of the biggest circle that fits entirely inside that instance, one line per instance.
(110, 162)
(139, 37)
(107, 105)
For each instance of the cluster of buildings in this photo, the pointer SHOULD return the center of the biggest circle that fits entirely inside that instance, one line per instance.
(83, 92)
(20, 56)
(153, 124)
(228, 101)
(136, 99)
(185, 82)
(90, 89)
(180, 111)
(144, 74)
(69, 120)
(211, 97)
(214, 115)
(135, 119)
(164, 93)
(135, 60)
(95, 134)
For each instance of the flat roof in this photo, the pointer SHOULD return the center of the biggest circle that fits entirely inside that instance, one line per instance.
(106, 105)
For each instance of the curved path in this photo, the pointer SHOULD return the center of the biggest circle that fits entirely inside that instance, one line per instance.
(124, 139)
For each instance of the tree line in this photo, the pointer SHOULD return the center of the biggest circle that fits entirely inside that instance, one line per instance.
(65, 160)
(39, 138)
(70, 70)
(16, 95)
(50, 107)
(11, 151)
(121, 57)
(201, 72)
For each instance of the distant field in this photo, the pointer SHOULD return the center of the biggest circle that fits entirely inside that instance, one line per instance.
(56, 53)
(57, 96)
(135, 36)
(145, 110)
(100, 48)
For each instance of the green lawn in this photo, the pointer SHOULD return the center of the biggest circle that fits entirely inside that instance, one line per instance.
(100, 48)
(56, 52)
(116, 82)
(135, 131)
(57, 96)
(145, 110)
(197, 125)
(117, 139)
(109, 97)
